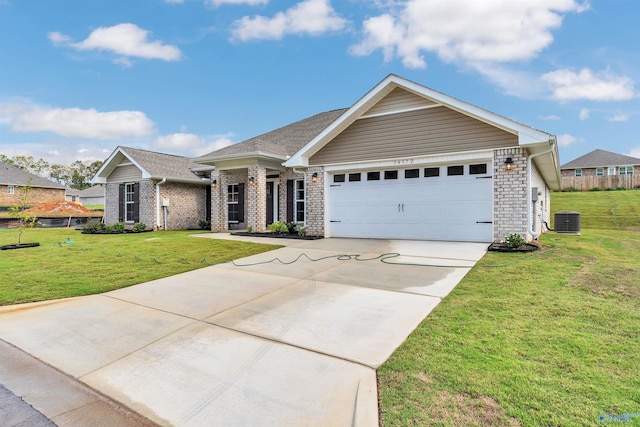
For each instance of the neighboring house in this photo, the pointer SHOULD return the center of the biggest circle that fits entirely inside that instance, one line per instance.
(91, 196)
(601, 169)
(404, 162)
(138, 183)
(13, 180)
(72, 195)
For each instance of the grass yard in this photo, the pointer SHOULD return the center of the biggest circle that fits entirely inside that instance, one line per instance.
(602, 210)
(99, 263)
(552, 339)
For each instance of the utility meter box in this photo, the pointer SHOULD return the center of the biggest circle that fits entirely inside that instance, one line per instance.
(165, 201)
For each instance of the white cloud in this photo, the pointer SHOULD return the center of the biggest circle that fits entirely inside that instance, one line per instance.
(550, 117)
(459, 30)
(567, 85)
(75, 122)
(249, 2)
(620, 117)
(522, 84)
(126, 39)
(566, 139)
(58, 38)
(192, 144)
(635, 152)
(584, 114)
(312, 17)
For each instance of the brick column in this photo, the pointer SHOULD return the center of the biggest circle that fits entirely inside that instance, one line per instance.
(219, 201)
(257, 198)
(314, 201)
(509, 193)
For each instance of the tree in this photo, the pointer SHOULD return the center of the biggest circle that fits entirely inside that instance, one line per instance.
(27, 163)
(25, 218)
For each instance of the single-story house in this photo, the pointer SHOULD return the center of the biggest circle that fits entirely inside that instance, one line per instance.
(601, 169)
(403, 162)
(13, 180)
(93, 195)
(72, 195)
(160, 190)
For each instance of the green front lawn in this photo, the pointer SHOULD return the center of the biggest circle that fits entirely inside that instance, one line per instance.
(89, 263)
(550, 340)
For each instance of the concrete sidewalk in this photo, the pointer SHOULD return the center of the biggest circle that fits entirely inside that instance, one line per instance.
(256, 343)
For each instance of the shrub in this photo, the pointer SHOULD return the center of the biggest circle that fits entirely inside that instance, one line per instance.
(279, 227)
(514, 240)
(569, 190)
(302, 231)
(139, 227)
(204, 225)
(93, 227)
(596, 189)
(116, 228)
(291, 227)
(249, 229)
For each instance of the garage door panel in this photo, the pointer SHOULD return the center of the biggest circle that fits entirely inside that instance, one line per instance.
(438, 208)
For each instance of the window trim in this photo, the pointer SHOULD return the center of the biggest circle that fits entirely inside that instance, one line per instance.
(297, 200)
(577, 172)
(129, 190)
(625, 170)
(611, 171)
(11, 189)
(599, 171)
(230, 192)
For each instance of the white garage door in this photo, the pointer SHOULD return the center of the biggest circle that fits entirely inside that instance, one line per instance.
(453, 202)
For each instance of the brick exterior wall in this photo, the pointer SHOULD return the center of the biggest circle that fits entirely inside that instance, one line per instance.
(509, 194)
(256, 199)
(218, 201)
(187, 205)
(38, 195)
(315, 201)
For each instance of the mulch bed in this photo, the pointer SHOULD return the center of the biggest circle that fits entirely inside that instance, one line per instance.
(276, 235)
(502, 247)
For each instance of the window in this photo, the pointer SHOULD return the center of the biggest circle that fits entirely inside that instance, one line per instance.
(478, 169)
(373, 176)
(599, 171)
(129, 201)
(354, 177)
(12, 189)
(455, 170)
(626, 170)
(233, 194)
(390, 174)
(299, 200)
(430, 172)
(338, 178)
(578, 172)
(611, 171)
(412, 173)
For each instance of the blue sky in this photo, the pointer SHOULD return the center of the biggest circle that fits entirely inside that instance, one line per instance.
(78, 77)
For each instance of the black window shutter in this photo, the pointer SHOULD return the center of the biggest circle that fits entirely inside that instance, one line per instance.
(136, 202)
(121, 203)
(289, 200)
(241, 202)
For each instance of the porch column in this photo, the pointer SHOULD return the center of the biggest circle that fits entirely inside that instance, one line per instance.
(219, 201)
(257, 198)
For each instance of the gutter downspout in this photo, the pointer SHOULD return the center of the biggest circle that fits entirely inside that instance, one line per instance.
(530, 223)
(158, 184)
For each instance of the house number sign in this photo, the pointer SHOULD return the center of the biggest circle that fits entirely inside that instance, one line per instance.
(403, 162)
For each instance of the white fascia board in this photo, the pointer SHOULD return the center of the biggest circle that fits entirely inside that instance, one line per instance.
(107, 167)
(203, 180)
(252, 155)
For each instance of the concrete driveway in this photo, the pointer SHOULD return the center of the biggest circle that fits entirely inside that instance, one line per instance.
(255, 343)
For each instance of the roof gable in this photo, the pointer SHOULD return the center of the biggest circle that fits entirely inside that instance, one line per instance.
(601, 158)
(152, 165)
(12, 175)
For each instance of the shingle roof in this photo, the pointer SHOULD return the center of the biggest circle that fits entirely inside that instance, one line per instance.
(601, 158)
(281, 142)
(163, 165)
(11, 175)
(95, 191)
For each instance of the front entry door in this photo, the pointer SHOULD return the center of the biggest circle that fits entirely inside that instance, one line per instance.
(270, 187)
